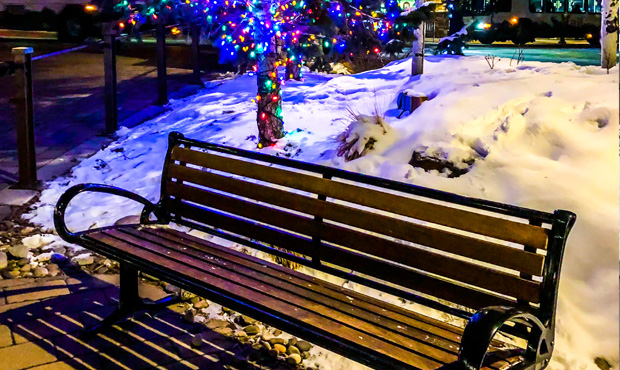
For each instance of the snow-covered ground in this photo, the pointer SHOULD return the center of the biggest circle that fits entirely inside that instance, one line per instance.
(541, 135)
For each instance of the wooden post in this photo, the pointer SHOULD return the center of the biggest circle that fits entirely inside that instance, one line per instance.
(26, 153)
(162, 84)
(109, 64)
(195, 31)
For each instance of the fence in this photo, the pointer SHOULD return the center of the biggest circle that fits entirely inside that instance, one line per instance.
(21, 70)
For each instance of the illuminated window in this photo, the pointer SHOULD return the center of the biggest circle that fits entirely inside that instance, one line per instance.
(576, 6)
(556, 6)
(594, 6)
(537, 6)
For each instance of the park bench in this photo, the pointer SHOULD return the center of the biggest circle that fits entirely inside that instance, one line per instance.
(493, 265)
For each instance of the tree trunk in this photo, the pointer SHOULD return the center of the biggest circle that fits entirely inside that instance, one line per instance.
(417, 62)
(269, 114)
(609, 33)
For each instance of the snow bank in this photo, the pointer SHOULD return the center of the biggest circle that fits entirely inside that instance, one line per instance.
(540, 135)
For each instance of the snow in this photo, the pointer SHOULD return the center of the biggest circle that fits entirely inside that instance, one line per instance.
(456, 35)
(541, 135)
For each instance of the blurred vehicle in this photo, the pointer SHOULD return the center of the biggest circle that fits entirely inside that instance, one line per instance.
(74, 20)
(522, 21)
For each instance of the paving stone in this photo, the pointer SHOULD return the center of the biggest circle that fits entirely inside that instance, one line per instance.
(91, 361)
(48, 326)
(151, 293)
(75, 302)
(16, 197)
(5, 336)
(18, 312)
(14, 282)
(69, 346)
(93, 315)
(212, 342)
(27, 355)
(126, 356)
(146, 327)
(160, 350)
(35, 291)
(211, 362)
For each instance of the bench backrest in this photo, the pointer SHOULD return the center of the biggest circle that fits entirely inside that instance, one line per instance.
(423, 243)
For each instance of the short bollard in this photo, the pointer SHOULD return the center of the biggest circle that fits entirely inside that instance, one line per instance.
(26, 153)
(109, 62)
(195, 32)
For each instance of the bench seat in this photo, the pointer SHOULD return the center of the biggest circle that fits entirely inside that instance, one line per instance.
(335, 313)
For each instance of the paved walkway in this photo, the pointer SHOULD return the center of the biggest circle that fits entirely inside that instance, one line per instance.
(69, 103)
(40, 321)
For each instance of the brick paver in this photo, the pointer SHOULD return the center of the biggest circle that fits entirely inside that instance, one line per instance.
(40, 329)
(26, 355)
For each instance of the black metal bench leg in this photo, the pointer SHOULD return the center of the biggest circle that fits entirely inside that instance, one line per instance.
(129, 303)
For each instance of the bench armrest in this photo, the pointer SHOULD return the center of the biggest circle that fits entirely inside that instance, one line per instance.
(483, 326)
(63, 202)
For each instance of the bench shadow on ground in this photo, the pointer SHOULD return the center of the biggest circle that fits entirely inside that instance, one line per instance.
(157, 340)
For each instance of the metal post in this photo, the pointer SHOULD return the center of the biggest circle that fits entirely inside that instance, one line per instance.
(162, 85)
(109, 62)
(195, 31)
(26, 153)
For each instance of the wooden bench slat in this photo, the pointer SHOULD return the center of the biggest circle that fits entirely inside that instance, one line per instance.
(308, 291)
(495, 227)
(504, 256)
(368, 303)
(266, 297)
(448, 267)
(374, 305)
(388, 272)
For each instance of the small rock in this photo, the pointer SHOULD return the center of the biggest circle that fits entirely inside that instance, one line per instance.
(292, 341)
(201, 304)
(83, 259)
(277, 332)
(251, 329)
(44, 257)
(273, 353)
(305, 355)
(187, 296)
(274, 341)
(280, 348)
(294, 359)
(19, 251)
(240, 334)
(101, 270)
(10, 274)
(303, 346)
(224, 331)
(190, 316)
(216, 323)
(197, 341)
(26, 268)
(40, 271)
(53, 269)
(27, 230)
(292, 350)
(22, 262)
(227, 310)
(3, 260)
(245, 320)
(27, 274)
(267, 346)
